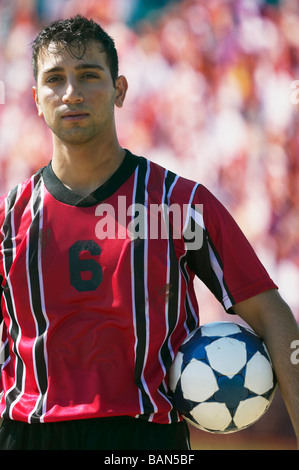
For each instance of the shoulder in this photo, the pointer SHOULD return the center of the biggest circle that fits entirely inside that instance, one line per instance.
(177, 187)
(21, 193)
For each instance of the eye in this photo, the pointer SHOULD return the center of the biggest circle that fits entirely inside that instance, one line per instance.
(53, 79)
(90, 75)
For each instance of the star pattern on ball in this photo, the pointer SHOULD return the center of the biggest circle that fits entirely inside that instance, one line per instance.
(231, 391)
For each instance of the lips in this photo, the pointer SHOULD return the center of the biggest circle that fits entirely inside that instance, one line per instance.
(74, 116)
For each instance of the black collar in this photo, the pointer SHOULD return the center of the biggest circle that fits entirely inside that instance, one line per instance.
(60, 192)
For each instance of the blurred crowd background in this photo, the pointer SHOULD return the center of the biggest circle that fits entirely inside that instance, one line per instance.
(213, 91)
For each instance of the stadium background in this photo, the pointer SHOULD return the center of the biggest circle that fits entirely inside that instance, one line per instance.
(212, 95)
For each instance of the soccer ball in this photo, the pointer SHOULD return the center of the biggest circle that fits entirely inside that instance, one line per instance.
(222, 378)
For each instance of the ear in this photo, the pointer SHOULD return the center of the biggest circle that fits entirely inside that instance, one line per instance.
(121, 86)
(35, 97)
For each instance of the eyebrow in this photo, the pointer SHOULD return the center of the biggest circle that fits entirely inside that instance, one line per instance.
(83, 66)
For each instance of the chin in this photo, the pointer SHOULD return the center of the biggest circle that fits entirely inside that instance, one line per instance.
(75, 138)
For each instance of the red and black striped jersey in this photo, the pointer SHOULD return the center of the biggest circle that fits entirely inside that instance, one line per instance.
(97, 293)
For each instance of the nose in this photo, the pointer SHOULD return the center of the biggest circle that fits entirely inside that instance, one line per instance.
(72, 94)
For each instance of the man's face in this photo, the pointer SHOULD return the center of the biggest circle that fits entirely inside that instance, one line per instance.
(75, 96)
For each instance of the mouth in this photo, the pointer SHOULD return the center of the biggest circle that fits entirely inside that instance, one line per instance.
(74, 116)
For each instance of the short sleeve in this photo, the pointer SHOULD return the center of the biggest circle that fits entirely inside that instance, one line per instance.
(225, 262)
(4, 349)
(1, 290)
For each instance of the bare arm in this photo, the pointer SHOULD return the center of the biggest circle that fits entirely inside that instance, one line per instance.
(271, 318)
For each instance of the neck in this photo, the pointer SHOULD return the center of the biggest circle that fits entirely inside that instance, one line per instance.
(83, 168)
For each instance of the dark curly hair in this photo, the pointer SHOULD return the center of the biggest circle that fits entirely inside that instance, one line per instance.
(77, 30)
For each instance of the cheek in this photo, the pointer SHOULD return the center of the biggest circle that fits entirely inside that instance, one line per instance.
(103, 104)
(48, 102)
(102, 94)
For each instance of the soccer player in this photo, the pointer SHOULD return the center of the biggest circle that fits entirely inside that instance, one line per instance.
(98, 252)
